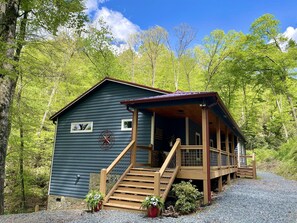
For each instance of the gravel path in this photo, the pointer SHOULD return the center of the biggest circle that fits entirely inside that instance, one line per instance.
(271, 199)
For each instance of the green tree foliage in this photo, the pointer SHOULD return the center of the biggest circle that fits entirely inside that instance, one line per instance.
(255, 74)
(19, 21)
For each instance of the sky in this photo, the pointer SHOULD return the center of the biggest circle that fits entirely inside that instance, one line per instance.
(125, 17)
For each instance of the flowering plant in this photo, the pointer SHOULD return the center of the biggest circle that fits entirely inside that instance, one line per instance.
(93, 198)
(152, 201)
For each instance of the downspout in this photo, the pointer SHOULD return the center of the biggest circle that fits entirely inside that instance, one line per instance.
(128, 109)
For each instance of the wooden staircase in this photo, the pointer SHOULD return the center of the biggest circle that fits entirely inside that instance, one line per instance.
(246, 172)
(135, 185)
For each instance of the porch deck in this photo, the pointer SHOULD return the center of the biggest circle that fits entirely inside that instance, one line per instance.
(184, 162)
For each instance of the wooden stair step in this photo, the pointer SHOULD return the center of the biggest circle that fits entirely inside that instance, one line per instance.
(139, 191)
(129, 197)
(145, 179)
(145, 169)
(140, 185)
(150, 170)
(147, 173)
(123, 204)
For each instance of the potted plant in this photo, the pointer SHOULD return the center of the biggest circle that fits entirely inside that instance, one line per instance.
(153, 204)
(94, 200)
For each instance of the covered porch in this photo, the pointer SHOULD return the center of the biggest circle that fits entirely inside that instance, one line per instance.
(201, 144)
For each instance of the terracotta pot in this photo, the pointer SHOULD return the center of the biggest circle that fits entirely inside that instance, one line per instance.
(98, 207)
(153, 212)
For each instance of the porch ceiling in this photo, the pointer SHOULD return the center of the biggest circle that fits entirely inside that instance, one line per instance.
(192, 111)
(189, 104)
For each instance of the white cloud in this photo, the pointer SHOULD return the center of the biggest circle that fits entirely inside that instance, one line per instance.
(93, 5)
(291, 33)
(120, 26)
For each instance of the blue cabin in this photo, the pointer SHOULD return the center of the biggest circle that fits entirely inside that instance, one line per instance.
(137, 140)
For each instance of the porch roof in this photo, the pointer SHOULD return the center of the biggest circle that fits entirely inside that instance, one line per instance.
(187, 104)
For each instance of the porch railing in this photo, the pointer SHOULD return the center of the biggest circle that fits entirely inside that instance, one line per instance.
(174, 153)
(124, 157)
(191, 155)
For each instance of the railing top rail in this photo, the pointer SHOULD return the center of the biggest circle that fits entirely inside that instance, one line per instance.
(224, 152)
(246, 156)
(214, 150)
(114, 163)
(175, 147)
(184, 147)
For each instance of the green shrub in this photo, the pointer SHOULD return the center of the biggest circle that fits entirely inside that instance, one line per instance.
(187, 197)
(265, 155)
(288, 156)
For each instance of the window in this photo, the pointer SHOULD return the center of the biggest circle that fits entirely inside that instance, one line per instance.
(211, 144)
(79, 127)
(197, 139)
(126, 124)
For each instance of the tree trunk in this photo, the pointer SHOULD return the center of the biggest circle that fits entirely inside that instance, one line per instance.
(289, 98)
(48, 105)
(280, 110)
(22, 145)
(8, 18)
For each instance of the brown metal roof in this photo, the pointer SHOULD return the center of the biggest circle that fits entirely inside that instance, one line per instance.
(178, 95)
(53, 117)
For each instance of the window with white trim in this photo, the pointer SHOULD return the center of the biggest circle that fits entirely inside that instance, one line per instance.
(126, 124)
(211, 144)
(80, 127)
(197, 139)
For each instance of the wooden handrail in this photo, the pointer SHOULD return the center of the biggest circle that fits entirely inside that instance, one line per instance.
(214, 150)
(224, 152)
(114, 163)
(246, 156)
(169, 157)
(104, 172)
(117, 183)
(191, 147)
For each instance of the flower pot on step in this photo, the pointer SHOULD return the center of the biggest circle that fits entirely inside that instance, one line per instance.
(98, 207)
(153, 212)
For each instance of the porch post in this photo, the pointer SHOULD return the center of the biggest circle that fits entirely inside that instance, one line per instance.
(187, 130)
(228, 155)
(239, 154)
(233, 154)
(218, 127)
(206, 157)
(134, 136)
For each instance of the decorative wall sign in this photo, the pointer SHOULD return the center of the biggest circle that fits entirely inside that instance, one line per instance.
(106, 139)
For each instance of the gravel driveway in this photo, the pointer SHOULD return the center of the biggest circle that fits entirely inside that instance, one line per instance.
(271, 199)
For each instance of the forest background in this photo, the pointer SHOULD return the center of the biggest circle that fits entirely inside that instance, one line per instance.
(254, 73)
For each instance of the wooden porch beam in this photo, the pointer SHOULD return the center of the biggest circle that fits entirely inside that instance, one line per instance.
(206, 156)
(218, 134)
(233, 153)
(134, 136)
(228, 154)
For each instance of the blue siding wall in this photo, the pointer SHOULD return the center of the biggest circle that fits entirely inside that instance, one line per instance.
(80, 153)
